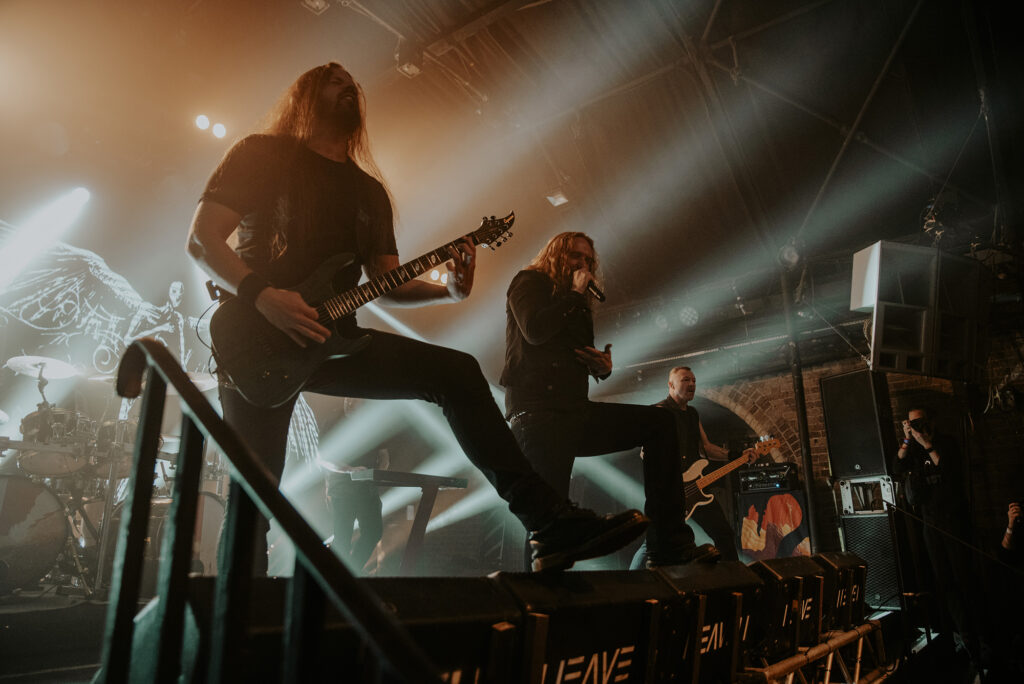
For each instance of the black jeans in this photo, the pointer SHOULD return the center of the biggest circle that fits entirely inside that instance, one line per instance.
(395, 367)
(954, 579)
(714, 523)
(351, 502)
(553, 438)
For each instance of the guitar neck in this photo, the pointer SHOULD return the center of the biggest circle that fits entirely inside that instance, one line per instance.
(343, 304)
(722, 472)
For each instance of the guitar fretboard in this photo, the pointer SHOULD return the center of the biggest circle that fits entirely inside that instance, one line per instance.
(347, 302)
(721, 472)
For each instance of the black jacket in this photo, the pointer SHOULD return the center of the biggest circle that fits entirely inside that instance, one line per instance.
(542, 330)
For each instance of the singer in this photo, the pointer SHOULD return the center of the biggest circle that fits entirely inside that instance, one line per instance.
(549, 360)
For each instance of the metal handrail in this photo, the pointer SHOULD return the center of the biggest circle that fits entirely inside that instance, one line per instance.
(318, 572)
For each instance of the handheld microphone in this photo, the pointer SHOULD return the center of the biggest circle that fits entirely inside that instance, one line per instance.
(593, 289)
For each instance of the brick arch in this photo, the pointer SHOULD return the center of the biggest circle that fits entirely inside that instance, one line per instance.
(758, 411)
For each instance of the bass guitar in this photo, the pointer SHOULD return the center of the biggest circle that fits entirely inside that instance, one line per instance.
(268, 368)
(694, 481)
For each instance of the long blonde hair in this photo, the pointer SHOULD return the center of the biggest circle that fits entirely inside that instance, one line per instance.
(552, 258)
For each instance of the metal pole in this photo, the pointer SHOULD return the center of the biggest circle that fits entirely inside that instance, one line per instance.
(797, 371)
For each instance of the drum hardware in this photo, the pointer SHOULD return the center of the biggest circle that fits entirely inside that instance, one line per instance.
(107, 540)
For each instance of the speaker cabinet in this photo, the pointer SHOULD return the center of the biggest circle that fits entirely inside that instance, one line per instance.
(858, 423)
(870, 536)
(928, 307)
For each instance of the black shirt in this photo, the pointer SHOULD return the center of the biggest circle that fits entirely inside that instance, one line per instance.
(937, 490)
(687, 430)
(298, 208)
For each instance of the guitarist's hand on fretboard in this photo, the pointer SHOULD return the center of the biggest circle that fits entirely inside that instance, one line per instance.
(463, 266)
(289, 313)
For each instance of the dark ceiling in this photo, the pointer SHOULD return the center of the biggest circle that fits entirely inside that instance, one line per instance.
(693, 139)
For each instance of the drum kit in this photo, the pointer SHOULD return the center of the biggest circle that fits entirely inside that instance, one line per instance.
(60, 510)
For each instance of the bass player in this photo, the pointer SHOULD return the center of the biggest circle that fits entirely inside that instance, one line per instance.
(694, 443)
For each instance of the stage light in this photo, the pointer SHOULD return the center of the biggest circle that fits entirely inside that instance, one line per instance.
(435, 274)
(444, 278)
(219, 130)
(789, 255)
(317, 7)
(409, 59)
(689, 316)
(557, 197)
(39, 232)
(202, 122)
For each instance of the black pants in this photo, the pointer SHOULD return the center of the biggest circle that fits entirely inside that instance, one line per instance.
(352, 502)
(395, 367)
(714, 523)
(953, 575)
(552, 440)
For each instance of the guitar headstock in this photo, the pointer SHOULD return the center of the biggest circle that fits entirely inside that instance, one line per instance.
(763, 446)
(493, 232)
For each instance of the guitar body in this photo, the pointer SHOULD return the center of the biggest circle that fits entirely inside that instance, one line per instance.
(266, 366)
(695, 496)
(694, 480)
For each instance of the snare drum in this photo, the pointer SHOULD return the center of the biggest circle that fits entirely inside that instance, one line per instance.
(60, 428)
(33, 531)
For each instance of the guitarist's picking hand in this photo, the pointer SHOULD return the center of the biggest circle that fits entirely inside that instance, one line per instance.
(289, 313)
(463, 266)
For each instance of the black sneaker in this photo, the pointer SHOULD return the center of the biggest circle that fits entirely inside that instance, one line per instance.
(705, 553)
(578, 533)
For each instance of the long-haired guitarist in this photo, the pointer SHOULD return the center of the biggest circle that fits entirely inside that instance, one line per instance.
(306, 189)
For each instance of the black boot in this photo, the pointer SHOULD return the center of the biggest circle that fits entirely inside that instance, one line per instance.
(705, 553)
(578, 533)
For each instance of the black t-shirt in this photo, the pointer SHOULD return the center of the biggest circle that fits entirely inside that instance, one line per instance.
(936, 489)
(687, 430)
(298, 208)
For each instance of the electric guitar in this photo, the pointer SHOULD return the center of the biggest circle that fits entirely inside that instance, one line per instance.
(694, 483)
(268, 368)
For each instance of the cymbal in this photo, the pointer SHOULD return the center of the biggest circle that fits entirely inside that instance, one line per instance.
(203, 381)
(53, 369)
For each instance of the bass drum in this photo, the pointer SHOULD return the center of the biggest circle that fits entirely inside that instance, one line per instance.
(33, 531)
(209, 517)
